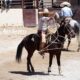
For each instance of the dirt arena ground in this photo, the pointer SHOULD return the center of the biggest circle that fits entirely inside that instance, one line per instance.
(11, 70)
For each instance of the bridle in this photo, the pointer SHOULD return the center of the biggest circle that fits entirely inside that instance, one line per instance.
(70, 30)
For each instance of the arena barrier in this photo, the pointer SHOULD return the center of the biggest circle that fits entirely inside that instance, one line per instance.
(19, 17)
(11, 17)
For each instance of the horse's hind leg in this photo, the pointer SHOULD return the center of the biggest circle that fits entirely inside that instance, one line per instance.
(78, 47)
(58, 61)
(78, 39)
(29, 64)
(50, 61)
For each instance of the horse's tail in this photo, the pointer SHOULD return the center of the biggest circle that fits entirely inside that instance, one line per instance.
(19, 51)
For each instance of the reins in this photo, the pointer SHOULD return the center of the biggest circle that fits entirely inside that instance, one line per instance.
(52, 42)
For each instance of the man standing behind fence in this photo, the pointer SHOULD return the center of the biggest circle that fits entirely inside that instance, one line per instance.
(8, 3)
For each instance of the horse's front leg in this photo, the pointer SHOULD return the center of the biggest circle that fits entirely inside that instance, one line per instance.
(78, 39)
(69, 41)
(58, 55)
(50, 61)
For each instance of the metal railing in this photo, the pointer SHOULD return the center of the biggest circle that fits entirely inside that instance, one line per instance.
(17, 4)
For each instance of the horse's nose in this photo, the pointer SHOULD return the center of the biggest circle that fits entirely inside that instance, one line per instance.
(73, 36)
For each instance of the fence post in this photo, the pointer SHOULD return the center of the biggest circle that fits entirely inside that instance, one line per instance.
(22, 4)
(36, 10)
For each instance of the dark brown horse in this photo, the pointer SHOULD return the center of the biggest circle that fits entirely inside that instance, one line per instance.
(54, 46)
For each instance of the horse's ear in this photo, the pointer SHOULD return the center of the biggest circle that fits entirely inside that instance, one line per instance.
(62, 23)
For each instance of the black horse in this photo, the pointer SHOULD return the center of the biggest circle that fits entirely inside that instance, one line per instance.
(54, 45)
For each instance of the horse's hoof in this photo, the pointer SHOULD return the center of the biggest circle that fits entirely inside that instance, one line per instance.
(77, 50)
(33, 70)
(60, 74)
(67, 49)
(49, 71)
(29, 71)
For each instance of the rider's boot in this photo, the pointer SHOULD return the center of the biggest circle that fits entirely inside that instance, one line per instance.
(42, 48)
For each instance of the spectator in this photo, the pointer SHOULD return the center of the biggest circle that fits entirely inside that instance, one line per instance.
(41, 4)
(8, 3)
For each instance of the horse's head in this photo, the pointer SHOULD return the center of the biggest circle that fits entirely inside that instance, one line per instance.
(68, 30)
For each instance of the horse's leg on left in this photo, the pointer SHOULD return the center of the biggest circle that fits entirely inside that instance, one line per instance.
(50, 61)
(69, 41)
(58, 55)
(30, 67)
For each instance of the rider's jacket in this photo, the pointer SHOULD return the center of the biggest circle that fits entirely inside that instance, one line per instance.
(66, 12)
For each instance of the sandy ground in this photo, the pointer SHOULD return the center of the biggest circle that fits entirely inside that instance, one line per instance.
(11, 70)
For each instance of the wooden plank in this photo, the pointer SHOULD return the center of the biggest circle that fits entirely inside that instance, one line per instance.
(29, 17)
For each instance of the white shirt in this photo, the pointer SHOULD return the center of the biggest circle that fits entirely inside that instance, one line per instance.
(66, 12)
(43, 23)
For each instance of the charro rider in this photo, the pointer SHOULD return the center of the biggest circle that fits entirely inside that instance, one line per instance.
(43, 27)
(66, 11)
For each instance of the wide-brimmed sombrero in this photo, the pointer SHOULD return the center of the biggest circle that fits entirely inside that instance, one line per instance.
(45, 11)
(65, 3)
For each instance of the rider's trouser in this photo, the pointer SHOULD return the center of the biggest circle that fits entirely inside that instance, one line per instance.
(43, 39)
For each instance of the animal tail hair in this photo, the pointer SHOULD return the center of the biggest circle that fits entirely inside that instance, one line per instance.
(19, 51)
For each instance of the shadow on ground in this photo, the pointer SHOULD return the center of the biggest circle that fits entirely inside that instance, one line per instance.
(34, 73)
(28, 73)
(64, 49)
